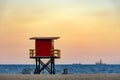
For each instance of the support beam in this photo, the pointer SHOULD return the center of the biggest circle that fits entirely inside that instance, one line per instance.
(49, 66)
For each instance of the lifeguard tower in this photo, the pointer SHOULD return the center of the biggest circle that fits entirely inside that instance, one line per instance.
(44, 49)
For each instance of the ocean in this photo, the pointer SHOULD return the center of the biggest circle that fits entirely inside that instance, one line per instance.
(72, 69)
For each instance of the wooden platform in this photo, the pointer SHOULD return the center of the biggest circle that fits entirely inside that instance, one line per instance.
(44, 57)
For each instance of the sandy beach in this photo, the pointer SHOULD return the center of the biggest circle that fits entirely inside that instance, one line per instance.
(60, 77)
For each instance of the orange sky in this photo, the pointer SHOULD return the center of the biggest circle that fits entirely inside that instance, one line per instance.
(89, 29)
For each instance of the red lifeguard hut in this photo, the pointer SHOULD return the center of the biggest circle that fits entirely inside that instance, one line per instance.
(44, 49)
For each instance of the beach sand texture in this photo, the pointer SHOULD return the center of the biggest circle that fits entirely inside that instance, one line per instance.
(60, 77)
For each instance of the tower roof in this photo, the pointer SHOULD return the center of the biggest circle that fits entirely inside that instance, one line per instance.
(44, 38)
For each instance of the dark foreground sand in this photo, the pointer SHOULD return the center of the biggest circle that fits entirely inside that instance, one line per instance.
(60, 77)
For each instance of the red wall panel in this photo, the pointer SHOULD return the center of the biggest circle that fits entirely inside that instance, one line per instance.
(43, 47)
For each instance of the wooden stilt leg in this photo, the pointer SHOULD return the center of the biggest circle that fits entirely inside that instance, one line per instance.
(49, 66)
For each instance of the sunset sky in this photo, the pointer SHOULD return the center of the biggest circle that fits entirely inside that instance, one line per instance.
(89, 30)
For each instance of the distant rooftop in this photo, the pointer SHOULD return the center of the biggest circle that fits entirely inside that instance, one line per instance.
(44, 37)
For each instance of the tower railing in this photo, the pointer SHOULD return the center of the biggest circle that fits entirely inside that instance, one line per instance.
(32, 52)
(54, 53)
